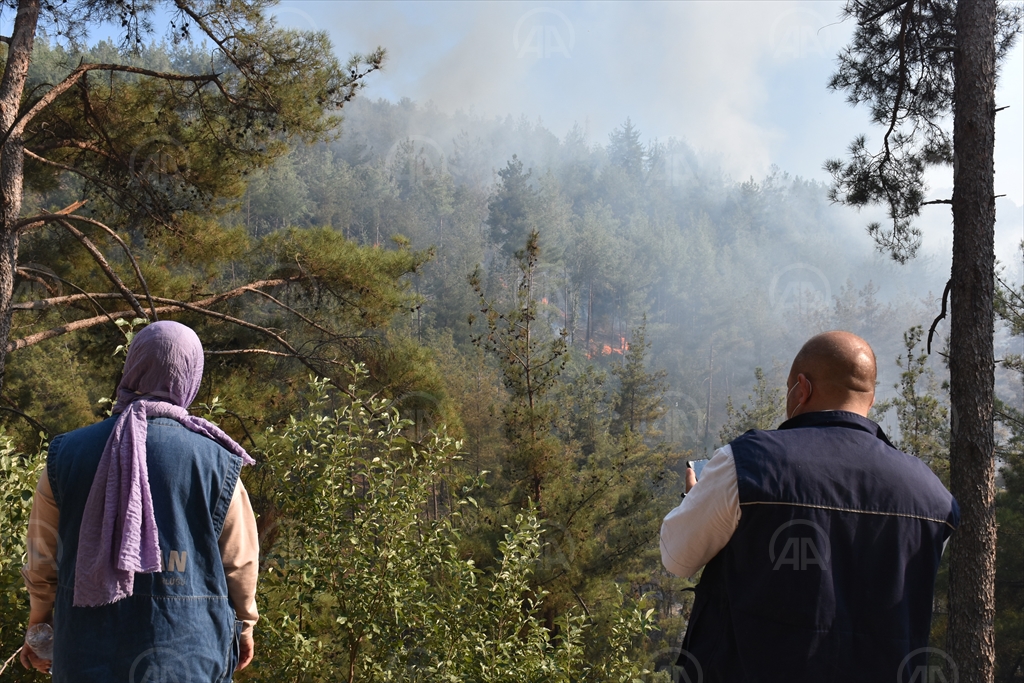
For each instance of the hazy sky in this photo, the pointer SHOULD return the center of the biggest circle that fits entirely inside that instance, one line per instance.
(744, 81)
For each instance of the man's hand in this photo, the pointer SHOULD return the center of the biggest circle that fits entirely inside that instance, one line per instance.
(691, 479)
(246, 647)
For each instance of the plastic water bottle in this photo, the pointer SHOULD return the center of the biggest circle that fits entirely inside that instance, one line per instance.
(40, 638)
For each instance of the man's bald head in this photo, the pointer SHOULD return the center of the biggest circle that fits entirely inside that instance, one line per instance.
(833, 371)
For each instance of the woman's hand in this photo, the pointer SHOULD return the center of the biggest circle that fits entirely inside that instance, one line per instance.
(29, 659)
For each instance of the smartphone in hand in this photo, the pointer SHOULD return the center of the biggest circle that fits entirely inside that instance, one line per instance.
(697, 466)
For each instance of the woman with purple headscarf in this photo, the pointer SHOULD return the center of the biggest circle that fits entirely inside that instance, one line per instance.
(142, 544)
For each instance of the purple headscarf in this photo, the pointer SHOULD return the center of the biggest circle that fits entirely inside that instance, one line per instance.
(118, 537)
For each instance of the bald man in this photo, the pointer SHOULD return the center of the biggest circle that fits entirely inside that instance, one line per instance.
(820, 541)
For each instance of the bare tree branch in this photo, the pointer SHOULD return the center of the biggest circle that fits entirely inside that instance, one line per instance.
(97, 256)
(232, 352)
(31, 420)
(44, 304)
(942, 314)
(67, 213)
(128, 253)
(70, 169)
(84, 294)
(171, 305)
(294, 312)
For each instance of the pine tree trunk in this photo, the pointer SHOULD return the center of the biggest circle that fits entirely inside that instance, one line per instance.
(970, 636)
(12, 158)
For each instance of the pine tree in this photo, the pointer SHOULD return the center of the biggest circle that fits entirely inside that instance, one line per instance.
(512, 210)
(210, 117)
(916, 62)
(767, 407)
(531, 361)
(638, 402)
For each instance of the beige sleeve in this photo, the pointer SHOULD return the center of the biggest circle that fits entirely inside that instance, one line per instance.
(240, 554)
(704, 522)
(40, 569)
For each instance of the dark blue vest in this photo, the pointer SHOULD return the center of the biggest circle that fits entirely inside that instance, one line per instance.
(179, 624)
(829, 575)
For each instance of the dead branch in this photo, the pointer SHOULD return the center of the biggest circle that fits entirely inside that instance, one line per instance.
(128, 253)
(97, 256)
(84, 294)
(66, 212)
(170, 305)
(28, 418)
(294, 312)
(267, 352)
(26, 275)
(33, 221)
(45, 304)
(231, 352)
(942, 314)
(70, 169)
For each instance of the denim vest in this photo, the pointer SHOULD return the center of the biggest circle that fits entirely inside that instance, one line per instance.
(830, 574)
(179, 625)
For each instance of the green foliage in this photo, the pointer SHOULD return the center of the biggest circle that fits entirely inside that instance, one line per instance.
(638, 402)
(531, 362)
(129, 333)
(512, 211)
(900, 63)
(361, 583)
(18, 475)
(921, 412)
(1009, 621)
(260, 88)
(767, 408)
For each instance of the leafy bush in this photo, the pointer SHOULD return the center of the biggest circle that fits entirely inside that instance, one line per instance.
(18, 475)
(361, 583)
(361, 580)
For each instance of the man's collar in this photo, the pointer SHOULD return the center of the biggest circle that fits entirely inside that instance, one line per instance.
(836, 418)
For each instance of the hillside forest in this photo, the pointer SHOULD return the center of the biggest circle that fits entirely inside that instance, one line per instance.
(470, 355)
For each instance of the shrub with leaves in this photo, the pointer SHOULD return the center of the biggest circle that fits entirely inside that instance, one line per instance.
(362, 581)
(18, 475)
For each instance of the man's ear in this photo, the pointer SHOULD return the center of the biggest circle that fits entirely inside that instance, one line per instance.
(810, 387)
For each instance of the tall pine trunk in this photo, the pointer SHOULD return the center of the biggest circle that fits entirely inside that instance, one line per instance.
(970, 637)
(12, 158)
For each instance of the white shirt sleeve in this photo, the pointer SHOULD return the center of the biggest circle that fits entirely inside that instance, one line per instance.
(699, 528)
